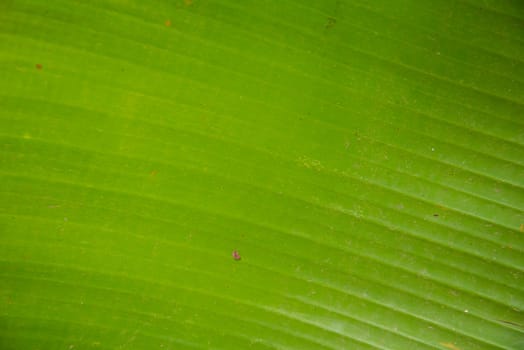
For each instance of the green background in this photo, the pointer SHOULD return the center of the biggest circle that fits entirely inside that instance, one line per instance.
(365, 158)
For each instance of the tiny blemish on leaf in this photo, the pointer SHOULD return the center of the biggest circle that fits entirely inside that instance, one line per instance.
(331, 21)
(512, 323)
(236, 255)
(39, 66)
(450, 346)
(168, 23)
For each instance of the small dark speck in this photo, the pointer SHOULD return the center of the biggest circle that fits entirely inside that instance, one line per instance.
(435, 215)
(331, 21)
(39, 66)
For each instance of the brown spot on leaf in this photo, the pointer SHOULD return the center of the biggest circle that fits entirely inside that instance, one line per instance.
(188, 2)
(236, 255)
(39, 66)
(153, 173)
(168, 23)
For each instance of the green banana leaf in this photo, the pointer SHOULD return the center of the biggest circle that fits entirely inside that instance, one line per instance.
(269, 174)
